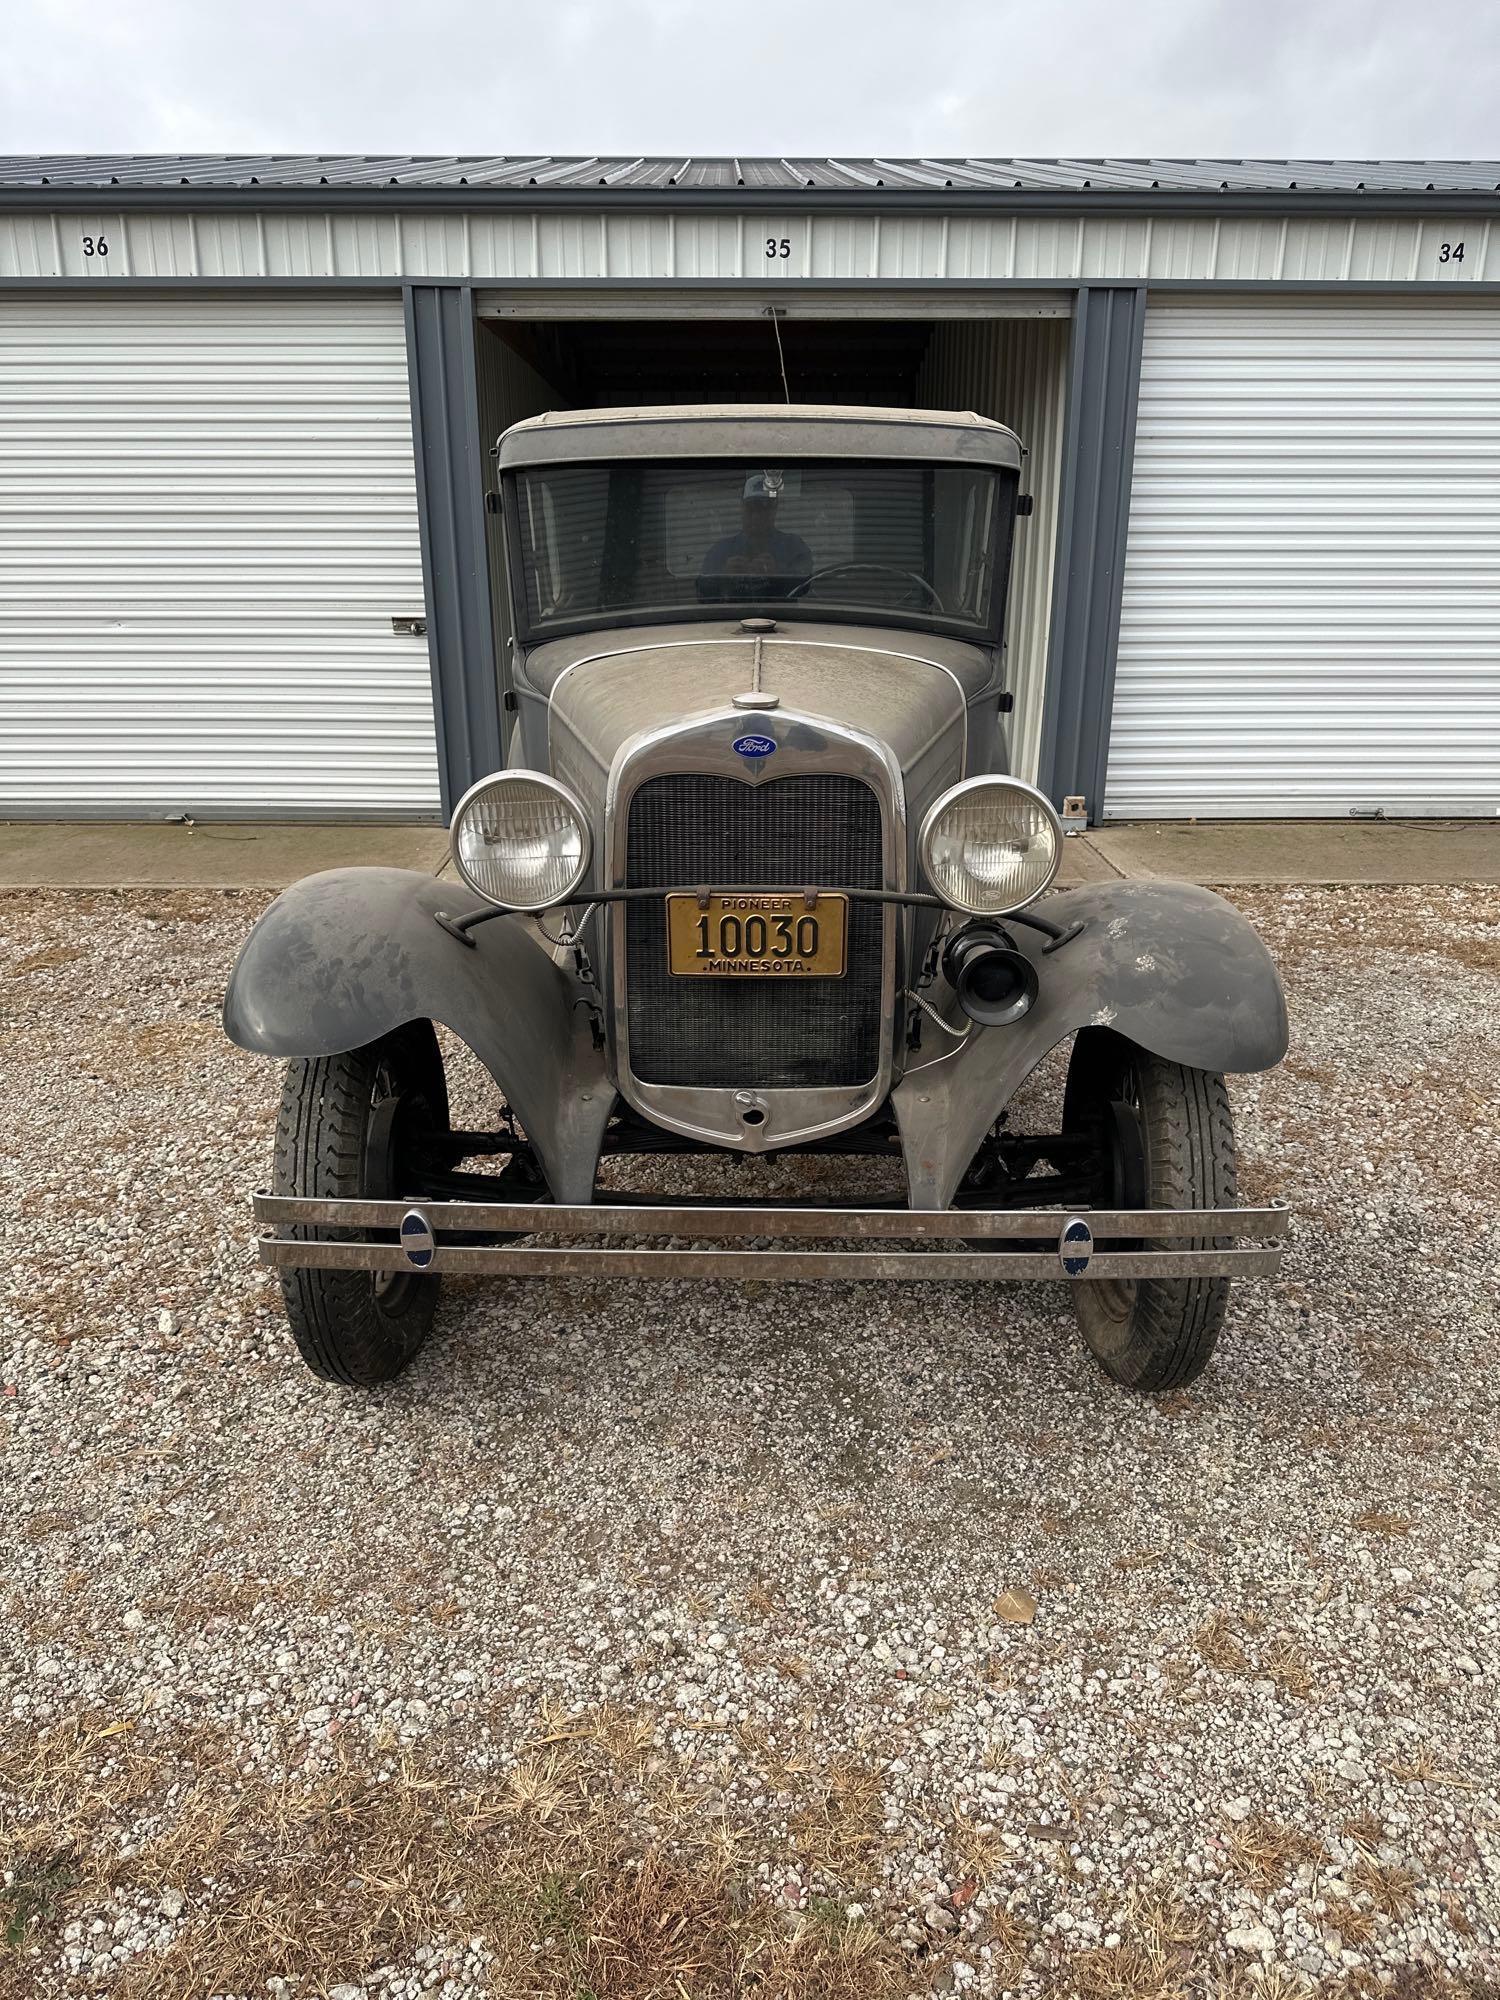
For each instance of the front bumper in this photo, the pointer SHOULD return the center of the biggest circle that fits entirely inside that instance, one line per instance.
(468, 1238)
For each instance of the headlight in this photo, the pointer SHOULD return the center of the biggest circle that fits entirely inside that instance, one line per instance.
(991, 845)
(521, 840)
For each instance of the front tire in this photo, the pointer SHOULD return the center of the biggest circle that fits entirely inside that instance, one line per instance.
(1164, 1137)
(347, 1127)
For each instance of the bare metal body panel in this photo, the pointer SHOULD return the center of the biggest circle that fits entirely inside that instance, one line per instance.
(1166, 964)
(344, 957)
(972, 663)
(581, 698)
(772, 430)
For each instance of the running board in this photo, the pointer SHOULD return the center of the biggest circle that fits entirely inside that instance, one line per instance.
(428, 1237)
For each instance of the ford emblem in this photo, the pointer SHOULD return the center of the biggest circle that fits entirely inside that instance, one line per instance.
(754, 746)
(417, 1239)
(1075, 1246)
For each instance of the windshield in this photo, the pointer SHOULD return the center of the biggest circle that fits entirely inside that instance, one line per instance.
(644, 538)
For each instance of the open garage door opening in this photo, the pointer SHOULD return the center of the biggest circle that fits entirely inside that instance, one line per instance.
(1012, 369)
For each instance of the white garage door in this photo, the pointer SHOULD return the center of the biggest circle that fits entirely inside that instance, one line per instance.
(1311, 617)
(208, 519)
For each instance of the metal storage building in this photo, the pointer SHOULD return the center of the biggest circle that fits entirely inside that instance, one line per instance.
(246, 406)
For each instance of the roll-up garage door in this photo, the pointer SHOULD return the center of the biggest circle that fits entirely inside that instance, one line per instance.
(1311, 615)
(208, 521)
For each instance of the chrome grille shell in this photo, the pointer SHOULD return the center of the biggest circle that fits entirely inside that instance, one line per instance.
(745, 1033)
(807, 746)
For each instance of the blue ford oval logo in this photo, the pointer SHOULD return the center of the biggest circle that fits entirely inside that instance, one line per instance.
(1075, 1246)
(417, 1239)
(754, 746)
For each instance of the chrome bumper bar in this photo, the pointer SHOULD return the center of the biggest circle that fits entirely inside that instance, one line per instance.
(427, 1236)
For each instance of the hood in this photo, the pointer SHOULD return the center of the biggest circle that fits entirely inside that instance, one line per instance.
(913, 702)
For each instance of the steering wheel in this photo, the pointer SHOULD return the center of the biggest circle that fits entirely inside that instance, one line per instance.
(865, 568)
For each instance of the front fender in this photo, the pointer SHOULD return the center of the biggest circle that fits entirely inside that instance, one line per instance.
(1168, 965)
(344, 957)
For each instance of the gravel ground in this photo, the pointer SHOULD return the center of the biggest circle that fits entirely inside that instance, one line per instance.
(748, 1573)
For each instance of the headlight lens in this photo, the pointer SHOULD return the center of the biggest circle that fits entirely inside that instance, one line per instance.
(991, 845)
(521, 840)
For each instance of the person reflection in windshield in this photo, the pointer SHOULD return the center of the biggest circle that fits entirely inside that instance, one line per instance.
(762, 560)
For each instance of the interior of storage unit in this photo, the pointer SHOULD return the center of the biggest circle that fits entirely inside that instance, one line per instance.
(1013, 369)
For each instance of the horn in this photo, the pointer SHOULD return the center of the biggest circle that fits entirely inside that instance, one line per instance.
(994, 982)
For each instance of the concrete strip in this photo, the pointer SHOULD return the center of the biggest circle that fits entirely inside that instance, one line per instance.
(243, 855)
(1082, 862)
(1273, 852)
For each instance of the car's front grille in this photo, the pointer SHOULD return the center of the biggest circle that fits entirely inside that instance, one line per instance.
(785, 1034)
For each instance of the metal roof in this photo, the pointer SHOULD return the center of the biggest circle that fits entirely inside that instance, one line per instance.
(1160, 179)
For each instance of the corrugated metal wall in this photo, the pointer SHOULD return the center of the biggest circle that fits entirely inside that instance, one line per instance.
(1311, 616)
(208, 519)
(513, 245)
(1016, 371)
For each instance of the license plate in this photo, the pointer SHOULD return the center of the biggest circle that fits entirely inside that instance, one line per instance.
(757, 937)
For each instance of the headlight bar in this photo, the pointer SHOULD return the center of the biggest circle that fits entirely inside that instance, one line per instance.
(461, 927)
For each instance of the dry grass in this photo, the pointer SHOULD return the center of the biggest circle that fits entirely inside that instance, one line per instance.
(837, 1835)
(1389, 1887)
(1284, 1662)
(1261, 1982)
(45, 960)
(1159, 1941)
(1379, 1891)
(1263, 1851)
(1218, 1646)
(1480, 954)
(1008, 1941)
(1377, 1521)
(1365, 1830)
(578, 1879)
(1418, 1982)
(1353, 1922)
(1423, 1768)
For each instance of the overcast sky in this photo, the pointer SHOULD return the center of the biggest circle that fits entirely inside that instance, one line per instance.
(1212, 77)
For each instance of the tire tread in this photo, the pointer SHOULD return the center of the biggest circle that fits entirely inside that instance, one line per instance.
(342, 1330)
(1174, 1323)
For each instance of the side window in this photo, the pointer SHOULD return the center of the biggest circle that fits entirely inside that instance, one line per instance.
(562, 528)
(979, 528)
(541, 530)
(963, 568)
(965, 502)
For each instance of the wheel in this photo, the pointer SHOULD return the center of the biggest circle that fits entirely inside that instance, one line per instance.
(347, 1125)
(1164, 1137)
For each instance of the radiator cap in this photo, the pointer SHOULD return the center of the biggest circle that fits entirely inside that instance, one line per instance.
(756, 699)
(757, 624)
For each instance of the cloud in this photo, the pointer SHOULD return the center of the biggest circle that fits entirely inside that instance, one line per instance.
(1212, 77)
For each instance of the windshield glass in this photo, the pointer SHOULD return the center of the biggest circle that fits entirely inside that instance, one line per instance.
(646, 538)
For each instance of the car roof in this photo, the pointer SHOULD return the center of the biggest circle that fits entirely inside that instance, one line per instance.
(759, 430)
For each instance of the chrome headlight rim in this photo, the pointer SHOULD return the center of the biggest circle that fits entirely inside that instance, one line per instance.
(496, 781)
(988, 782)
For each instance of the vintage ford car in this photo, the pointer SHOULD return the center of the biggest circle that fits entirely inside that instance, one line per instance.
(753, 881)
